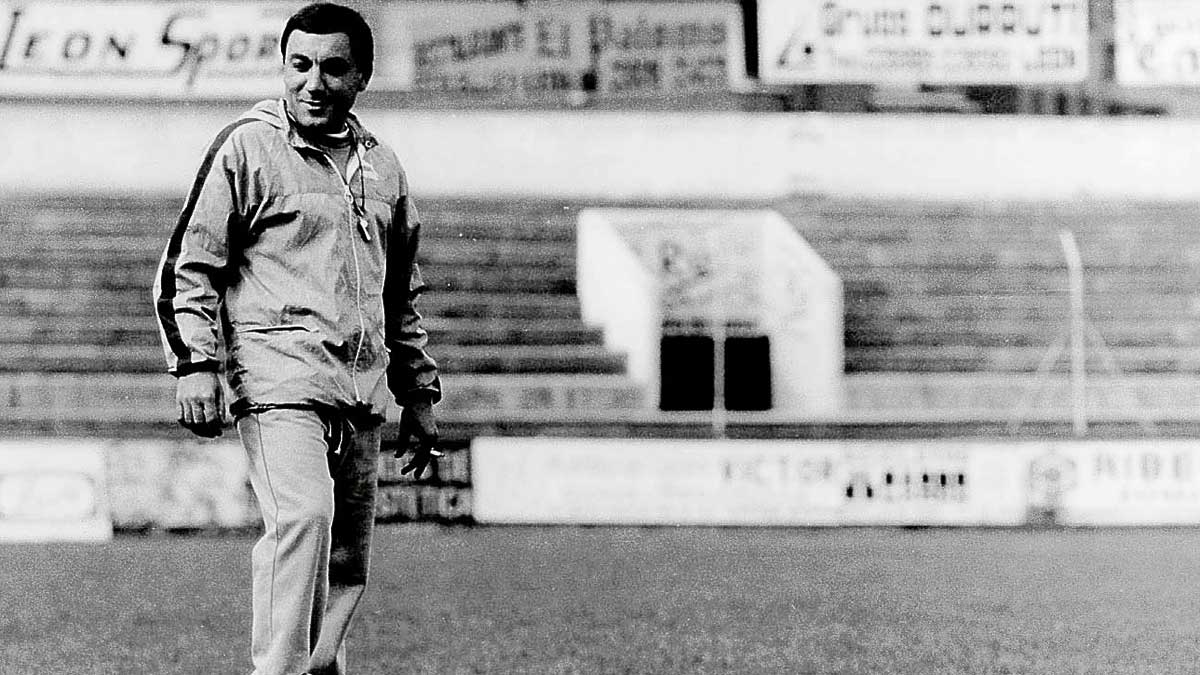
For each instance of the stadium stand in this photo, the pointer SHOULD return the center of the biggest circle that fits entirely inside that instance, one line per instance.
(81, 345)
(949, 310)
(982, 288)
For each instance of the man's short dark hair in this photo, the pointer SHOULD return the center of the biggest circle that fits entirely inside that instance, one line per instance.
(323, 18)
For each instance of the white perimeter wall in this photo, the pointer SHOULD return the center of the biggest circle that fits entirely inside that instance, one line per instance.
(646, 156)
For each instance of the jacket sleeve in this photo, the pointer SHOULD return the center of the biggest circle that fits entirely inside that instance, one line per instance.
(412, 374)
(188, 288)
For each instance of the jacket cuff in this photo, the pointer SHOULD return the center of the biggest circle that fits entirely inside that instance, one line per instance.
(195, 367)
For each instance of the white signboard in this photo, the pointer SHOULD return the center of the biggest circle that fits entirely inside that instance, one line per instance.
(1143, 482)
(923, 41)
(1157, 42)
(53, 491)
(187, 484)
(665, 47)
(152, 49)
(531, 48)
(698, 482)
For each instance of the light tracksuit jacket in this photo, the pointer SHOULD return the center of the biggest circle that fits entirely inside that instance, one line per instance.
(309, 278)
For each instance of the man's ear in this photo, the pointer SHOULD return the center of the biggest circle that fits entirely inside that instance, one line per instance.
(362, 83)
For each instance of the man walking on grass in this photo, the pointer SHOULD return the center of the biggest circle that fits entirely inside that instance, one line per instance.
(296, 249)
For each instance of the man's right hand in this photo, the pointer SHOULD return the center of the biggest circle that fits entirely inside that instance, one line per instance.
(201, 402)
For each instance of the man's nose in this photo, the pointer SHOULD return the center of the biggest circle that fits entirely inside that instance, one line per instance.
(314, 81)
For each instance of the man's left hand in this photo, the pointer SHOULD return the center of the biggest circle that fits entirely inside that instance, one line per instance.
(418, 433)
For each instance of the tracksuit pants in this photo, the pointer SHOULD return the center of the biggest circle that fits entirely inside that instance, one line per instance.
(314, 475)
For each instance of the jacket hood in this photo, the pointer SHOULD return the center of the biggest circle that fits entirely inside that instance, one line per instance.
(274, 112)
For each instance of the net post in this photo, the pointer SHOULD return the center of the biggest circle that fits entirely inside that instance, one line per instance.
(1079, 419)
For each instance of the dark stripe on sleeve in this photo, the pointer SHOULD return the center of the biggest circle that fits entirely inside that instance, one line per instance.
(165, 303)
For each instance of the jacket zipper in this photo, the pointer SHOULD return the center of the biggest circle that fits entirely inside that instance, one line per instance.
(354, 165)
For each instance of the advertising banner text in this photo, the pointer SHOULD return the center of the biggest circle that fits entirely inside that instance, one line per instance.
(147, 49)
(923, 41)
(230, 50)
(533, 48)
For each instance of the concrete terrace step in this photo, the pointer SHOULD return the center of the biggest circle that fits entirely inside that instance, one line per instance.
(1001, 333)
(554, 394)
(147, 211)
(156, 215)
(90, 214)
(526, 359)
(490, 359)
(853, 224)
(992, 282)
(970, 359)
(143, 330)
(1080, 211)
(537, 212)
(511, 332)
(498, 221)
(38, 274)
(855, 256)
(852, 256)
(552, 255)
(989, 232)
(1007, 395)
(438, 227)
(460, 276)
(137, 302)
(81, 358)
(150, 397)
(89, 229)
(487, 304)
(478, 278)
(862, 310)
(1021, 307)
(131, 249)
(80, 249)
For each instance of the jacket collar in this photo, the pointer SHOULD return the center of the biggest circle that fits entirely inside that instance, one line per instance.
(276, 115)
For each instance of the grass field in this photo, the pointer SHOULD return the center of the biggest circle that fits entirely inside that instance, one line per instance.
(631, 600)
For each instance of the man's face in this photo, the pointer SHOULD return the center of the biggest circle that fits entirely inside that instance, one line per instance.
(321, 80)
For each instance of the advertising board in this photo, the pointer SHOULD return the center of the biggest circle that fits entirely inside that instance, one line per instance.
(923, 41)
(1075, 483)
(145, 49)
(532, 48)
(230, 50)
(1144, 482)
(179, 484)
(747, 482)
(1157, 42)
(53, 491)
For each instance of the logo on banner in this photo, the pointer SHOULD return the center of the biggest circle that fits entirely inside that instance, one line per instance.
(1051, 475)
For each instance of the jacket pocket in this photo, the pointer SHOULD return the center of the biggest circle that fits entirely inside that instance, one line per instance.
(279, 328)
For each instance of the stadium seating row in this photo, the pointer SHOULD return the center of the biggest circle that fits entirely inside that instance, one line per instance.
(929, 288)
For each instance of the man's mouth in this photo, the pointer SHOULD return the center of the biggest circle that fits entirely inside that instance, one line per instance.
(315, 106)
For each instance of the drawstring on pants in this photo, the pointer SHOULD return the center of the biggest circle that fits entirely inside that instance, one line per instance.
(339, 431)
(338, 428)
